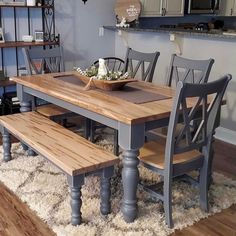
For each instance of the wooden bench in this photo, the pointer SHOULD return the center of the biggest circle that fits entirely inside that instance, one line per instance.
(73, 154)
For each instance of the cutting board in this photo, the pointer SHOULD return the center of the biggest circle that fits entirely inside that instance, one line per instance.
(130, 9)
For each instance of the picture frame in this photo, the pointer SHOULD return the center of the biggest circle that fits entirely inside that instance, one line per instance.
(2, 40)
(39, 36)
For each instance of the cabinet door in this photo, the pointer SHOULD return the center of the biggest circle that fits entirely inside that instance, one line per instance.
(233, 11)
(227, 8)
(151, 7)
(174, 7)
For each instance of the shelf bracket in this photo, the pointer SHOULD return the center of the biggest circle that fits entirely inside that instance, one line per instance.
(177, 41)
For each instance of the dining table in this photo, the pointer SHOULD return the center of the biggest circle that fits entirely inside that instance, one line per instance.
(132, 111)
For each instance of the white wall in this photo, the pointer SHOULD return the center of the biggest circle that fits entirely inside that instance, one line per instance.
(78, 24)
(222, 50)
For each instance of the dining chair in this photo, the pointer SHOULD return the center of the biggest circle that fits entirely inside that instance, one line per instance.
(49, 60)
(113, 64)
(185, 152)
(141, 65)
(135, 62)
(188, 70)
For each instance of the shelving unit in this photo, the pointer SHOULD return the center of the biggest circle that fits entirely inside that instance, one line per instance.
(48, 27)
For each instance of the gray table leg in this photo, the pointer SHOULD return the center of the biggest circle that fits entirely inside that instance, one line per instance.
(6, 143)
(130, 177)
(105, 206)
(131, 138)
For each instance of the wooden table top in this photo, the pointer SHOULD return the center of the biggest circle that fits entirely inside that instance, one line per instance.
(103, 104)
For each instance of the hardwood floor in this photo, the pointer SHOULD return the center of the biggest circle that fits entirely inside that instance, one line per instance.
(16, 219)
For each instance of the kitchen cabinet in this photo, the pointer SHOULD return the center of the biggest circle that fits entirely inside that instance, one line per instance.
(151, 7)
(228, 8)
(162, 8)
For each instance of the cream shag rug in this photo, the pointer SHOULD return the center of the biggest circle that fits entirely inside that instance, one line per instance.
(44, 188)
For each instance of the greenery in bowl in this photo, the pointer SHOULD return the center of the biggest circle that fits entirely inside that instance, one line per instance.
(93, 72)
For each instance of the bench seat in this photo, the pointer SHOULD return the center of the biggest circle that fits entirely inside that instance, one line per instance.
(70, 152)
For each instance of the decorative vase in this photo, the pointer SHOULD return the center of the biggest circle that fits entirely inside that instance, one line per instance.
(102, 70)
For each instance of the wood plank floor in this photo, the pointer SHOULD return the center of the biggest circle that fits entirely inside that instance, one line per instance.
(16, 219)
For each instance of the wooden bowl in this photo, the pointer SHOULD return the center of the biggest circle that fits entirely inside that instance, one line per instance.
(108, 85)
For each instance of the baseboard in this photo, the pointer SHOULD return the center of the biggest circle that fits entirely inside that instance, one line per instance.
(226, 135)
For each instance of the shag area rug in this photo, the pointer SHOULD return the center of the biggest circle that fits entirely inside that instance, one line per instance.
(44, 188)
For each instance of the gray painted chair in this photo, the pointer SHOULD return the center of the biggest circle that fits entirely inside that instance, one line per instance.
(39, 60)
(188, 70)
(181, 153)
(134, 62)
(113, 64)
(145, 63)
(49, 60)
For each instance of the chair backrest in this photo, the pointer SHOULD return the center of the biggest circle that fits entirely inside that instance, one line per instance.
(39, 60)
(206, 99)
(113, 64)
(146, 62)
(189, 71)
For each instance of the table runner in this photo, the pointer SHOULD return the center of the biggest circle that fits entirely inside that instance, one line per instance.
(128, 93)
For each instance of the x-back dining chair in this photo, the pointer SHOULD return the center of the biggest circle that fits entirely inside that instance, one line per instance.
(141, 64)
(50, 60)
(134, 62)
(113, 64)
(188, 70)
(186, 152)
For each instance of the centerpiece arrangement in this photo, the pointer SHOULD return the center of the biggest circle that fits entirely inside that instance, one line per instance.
(100, 77)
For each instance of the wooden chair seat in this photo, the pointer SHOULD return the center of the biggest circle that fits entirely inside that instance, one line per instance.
(153, 154)
(51, 111)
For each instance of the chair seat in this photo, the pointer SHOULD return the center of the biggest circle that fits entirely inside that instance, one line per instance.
(153, 154)
(51, 110)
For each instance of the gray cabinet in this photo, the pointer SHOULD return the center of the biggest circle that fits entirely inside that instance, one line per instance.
(228, 8)
(162, 7)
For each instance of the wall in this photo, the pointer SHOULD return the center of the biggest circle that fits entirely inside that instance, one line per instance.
(223, 51)
(78, 24)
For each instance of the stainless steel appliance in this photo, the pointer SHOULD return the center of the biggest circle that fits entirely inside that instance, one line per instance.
(203, 6)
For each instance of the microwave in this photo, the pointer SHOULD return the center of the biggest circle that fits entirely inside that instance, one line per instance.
(203, 6)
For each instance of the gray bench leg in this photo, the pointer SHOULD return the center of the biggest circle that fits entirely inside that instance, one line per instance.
(6, 143)
(105, 206)
(75, 183)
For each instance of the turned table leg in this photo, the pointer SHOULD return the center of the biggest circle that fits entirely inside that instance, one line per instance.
(105, 206)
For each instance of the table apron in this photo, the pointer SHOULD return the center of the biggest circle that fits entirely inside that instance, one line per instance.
(71, 107)
(84, 112)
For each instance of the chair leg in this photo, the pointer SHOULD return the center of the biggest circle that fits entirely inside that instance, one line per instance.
(203, 185)
(105, 206)
(75, 183)
(87, 125)
(168, 201)
(116, 146)
(92, 130)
